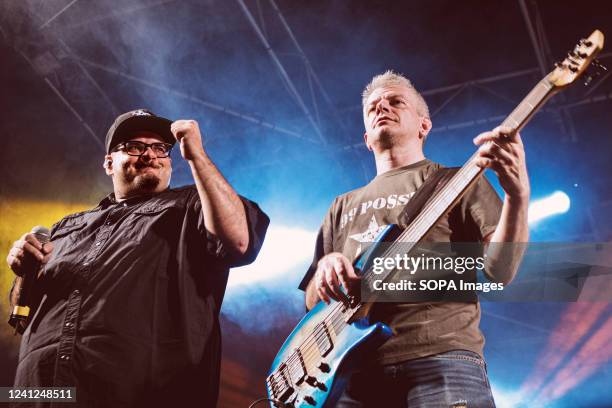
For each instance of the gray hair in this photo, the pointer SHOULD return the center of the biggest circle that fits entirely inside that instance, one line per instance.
(391, 78)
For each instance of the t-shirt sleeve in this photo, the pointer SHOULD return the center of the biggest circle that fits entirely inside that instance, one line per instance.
(323, 246)
(481, 207)
(257, 223)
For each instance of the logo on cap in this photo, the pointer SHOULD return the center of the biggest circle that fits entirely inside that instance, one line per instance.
(141, 112)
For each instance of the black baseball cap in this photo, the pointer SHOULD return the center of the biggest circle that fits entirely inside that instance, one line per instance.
(138, 120)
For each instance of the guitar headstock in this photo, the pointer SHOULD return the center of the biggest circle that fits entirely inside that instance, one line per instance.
(577, 60)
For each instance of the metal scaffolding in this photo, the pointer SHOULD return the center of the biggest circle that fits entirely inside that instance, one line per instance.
(311, 95)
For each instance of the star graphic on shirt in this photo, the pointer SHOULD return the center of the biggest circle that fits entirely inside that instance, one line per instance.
(369, 235)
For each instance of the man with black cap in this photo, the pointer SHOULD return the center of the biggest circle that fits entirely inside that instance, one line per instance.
(125, 306)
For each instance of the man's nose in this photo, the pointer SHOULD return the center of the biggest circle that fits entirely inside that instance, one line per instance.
(148, 154)
(382, 105)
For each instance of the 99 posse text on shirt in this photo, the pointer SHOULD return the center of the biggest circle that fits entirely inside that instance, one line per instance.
(389, 202)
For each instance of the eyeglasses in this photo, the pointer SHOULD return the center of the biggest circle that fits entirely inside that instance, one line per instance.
(135, 148)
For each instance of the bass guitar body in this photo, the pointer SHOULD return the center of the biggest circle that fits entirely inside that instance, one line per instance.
(314, 363)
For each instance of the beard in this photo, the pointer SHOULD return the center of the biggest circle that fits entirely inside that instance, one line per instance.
(147, 182)
(142, 182)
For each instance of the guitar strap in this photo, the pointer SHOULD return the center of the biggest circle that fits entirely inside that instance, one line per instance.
(433, 183)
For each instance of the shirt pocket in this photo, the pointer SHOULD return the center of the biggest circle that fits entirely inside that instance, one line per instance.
(151, 222)
(66, 239)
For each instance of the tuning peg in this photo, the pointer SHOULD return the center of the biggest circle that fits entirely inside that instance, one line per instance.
(587, 80)
(571, 59)
(577, 53)
(561, 65)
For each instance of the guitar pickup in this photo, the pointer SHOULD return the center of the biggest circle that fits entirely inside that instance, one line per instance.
(297, 368)
(323, 338)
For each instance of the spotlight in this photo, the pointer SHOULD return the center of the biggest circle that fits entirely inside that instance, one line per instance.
(284, 249)
(556, 203)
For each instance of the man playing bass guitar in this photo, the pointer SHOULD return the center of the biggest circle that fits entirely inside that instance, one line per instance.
(434, 358)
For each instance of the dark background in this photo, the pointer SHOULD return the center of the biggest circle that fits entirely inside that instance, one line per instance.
(275, 87)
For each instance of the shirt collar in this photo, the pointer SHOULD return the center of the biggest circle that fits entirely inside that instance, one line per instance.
(111, 200)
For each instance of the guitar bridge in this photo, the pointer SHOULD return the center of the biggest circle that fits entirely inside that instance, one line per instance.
(278, 384)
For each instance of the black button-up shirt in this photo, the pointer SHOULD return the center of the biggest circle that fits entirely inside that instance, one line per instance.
(130, 300)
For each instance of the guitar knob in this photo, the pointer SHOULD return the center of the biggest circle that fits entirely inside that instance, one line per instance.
(324, 367)
(309, 400)
(312, 381)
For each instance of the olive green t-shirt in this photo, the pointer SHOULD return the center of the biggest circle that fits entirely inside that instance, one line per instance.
(356, 218)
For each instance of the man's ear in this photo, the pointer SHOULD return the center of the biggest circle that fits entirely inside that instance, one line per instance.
(108, 164)
(365, 139)
(425, 127)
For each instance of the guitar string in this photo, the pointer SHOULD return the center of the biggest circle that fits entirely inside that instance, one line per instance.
(311, 354)
(330, 316)
(332, 319)
(307, 351)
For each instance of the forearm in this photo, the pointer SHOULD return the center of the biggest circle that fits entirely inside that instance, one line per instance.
(223, 211)
(507, 244)
(14, 294)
